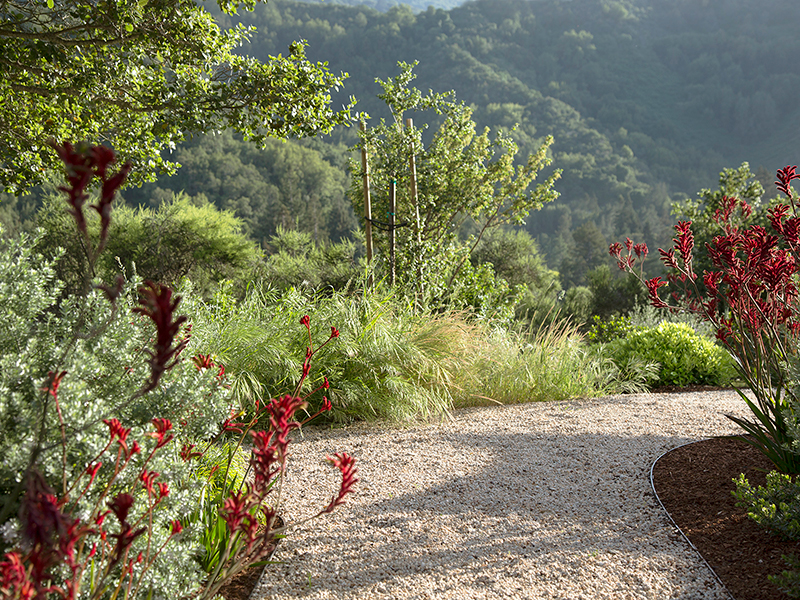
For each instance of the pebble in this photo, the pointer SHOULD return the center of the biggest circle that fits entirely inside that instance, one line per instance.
(540, 501)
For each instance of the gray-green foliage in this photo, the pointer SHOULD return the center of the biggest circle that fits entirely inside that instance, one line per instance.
(684, 357)
(102, 349)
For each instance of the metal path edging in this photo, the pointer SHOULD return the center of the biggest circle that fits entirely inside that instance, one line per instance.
(675, 525)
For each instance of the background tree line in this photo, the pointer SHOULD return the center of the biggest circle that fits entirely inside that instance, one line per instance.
(647, 102)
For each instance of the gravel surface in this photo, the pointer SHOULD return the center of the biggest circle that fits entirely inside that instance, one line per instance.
(536, 501)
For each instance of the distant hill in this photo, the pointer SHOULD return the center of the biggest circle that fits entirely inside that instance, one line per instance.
(648, 100)
(385, 5)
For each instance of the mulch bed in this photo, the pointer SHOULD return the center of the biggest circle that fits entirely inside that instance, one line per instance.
(241, 586)
(694, 483)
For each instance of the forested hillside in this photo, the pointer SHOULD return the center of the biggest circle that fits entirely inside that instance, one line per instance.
(648, 100)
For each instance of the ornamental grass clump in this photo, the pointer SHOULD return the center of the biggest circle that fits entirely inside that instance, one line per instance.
(101, 421)
(751, 298)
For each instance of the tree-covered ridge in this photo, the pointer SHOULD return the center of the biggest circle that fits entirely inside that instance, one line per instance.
(630, 90)
(385, 5)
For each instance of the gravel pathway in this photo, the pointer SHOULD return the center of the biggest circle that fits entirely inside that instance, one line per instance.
(535, 501)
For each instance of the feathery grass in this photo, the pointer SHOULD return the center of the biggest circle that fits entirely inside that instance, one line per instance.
(390, 362)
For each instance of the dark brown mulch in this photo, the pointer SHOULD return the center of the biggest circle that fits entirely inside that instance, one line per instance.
(240, 587)
(694, 483)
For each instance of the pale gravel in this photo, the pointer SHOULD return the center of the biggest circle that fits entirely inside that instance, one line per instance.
(534, 501)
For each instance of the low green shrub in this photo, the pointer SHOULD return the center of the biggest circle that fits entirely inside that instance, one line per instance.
(603, 331)
(776, 508)
(684, 356)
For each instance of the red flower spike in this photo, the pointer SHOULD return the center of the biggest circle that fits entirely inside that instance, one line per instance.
(326, 404)
(334, 332)
(92, 470)
(652, 287)
(101, 517)
(325, 384)
(668, 258)
(55, 381)
(43, 523)
(120, 506)
(684, 242)
(176, 527)
(264, 461)
(134, 449)
(346, 464)
(79, 173)
(162, 427)
(187, 454)
(203, 361)
(148, 480)
(156, 303)
(235, 510)
(306, 320)
(14, 578)
(103, 207)
(229, 425)
(82, 163)
(785, 177)
(163, 490)
(118, 432)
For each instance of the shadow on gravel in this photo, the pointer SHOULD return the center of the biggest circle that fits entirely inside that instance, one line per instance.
(510, 507)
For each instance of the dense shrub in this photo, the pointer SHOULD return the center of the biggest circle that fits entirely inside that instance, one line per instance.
(84, 380)
(684, 357)
(776, 508)
(295, 260)
(182, 237)
(602, 331)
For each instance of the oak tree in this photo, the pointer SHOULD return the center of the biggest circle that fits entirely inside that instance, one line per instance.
(141, 75)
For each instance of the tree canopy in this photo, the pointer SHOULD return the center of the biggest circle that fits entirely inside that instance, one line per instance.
(462, 181)
(140, 75)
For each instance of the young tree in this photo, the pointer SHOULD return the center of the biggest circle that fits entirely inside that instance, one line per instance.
(140, 75)
(464, 180)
